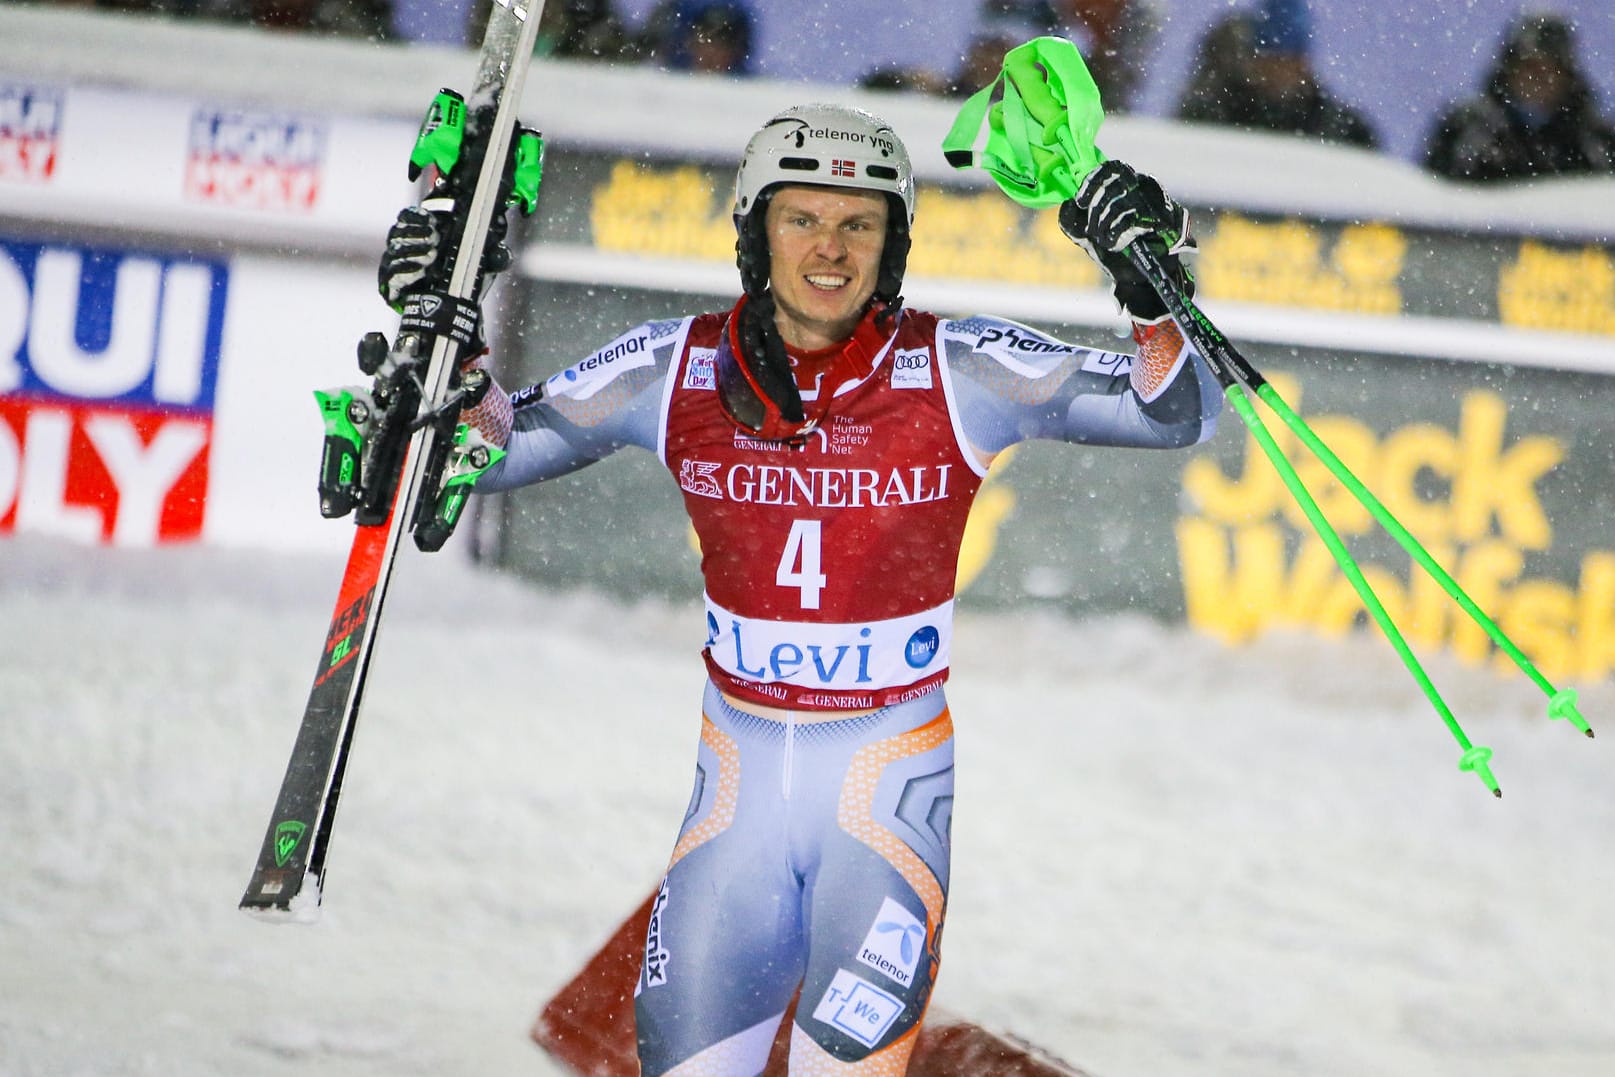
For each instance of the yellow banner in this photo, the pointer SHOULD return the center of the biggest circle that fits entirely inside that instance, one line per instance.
(1250, 561)
(683, 211)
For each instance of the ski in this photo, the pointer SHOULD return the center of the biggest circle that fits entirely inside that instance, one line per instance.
(396, 455)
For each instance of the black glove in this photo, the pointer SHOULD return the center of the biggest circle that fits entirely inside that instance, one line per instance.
(413, 247)
(1115, 207)
(409, 255)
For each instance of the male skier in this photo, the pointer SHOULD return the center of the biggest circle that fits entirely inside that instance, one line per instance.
(828, 442)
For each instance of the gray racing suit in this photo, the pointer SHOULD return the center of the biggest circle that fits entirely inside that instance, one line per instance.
(814, 856)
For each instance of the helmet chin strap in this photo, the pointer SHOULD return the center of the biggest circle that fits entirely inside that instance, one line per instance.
(756, 385)
(753, 333)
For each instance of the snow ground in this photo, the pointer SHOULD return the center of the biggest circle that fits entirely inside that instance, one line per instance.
(1170, 858)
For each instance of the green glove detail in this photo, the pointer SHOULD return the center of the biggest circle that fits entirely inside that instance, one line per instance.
(1117, 207)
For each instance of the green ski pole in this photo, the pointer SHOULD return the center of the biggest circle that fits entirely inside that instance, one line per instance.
(1562, 702)
(1040, 145)
(1216, 349)
(1474, 758)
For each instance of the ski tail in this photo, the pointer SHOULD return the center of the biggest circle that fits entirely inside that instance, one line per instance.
(285, 885)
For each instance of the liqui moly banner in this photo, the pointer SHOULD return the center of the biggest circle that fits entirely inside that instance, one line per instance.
(109, 363)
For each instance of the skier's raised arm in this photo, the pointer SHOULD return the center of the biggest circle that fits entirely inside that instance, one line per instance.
(1014, 383)
(603, 403)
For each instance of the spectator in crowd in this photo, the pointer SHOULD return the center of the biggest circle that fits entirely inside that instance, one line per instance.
(369, 19)
(586, 30)
(1268, 82)
(896, 77)
(1537, 115)
(574, 29)
(983, 59)
(138, 7)
(1115, 38)
(713, 36)
(1002, 25)
(1221, 71)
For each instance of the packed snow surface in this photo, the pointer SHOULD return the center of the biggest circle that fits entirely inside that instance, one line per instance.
(1170, 857)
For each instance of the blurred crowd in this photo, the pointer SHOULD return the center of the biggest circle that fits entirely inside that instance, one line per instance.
(1535, 114)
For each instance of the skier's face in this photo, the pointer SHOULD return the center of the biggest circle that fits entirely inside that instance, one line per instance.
(824, 246)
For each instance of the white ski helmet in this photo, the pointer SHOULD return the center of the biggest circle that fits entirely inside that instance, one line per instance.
(823, 146)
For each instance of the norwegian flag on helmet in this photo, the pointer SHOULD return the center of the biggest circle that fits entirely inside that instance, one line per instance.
(843, 168)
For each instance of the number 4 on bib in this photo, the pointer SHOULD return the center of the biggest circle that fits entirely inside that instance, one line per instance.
(799, 565)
